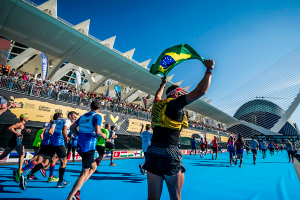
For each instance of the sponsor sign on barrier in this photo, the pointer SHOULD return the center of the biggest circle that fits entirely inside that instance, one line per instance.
(117, 154)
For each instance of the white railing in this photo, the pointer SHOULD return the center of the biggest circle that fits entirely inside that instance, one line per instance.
(73, 26)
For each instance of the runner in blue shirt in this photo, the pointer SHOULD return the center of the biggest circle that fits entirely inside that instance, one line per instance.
(72, 144)
(59, 131)
(254, 145)
(263, 148)
(89, 129)
(271, 147)
(146, 142)
(194, 146)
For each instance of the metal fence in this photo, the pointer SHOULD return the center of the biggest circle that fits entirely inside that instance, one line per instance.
(49, 92)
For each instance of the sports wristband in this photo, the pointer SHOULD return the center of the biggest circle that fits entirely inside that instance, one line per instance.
(209, 71)
(162, 85)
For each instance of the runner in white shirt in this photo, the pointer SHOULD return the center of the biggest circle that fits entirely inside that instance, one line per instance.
(146, 141)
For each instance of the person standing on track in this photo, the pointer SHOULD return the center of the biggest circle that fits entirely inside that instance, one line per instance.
(146, 141)
(206, 145)
(202, 146)
(89, 130)
(163, 158)
(215, 147)
(254, 145)
(239, 144)
(15, 142)
(110, 146)
(290, 150)
(194, 146)
(231, 149)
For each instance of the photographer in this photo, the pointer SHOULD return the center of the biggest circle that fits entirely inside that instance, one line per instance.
(4, 106)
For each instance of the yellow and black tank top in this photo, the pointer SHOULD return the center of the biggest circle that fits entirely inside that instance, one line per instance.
(168, 119)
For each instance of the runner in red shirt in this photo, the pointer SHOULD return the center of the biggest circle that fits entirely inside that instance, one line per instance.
(215, 148)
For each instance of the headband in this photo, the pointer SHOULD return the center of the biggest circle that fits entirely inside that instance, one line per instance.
(176, 90)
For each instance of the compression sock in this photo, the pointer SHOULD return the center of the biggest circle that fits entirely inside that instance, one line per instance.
(29, 166)
(61, 174)
(52, 167)
(36, 168)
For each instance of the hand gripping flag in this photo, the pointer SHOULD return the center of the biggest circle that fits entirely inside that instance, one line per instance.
(172, 57)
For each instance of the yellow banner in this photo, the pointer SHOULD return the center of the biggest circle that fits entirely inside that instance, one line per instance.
(43, 111)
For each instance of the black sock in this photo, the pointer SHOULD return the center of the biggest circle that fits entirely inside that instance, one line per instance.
(36, 168)
(61, 174)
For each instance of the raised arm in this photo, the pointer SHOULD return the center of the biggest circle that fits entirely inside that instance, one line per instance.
(160, 91)
(204, 84)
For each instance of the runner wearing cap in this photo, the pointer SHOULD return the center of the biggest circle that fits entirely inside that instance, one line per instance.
(3, 105)
(146, 141)
(15, 142)
(163, 158)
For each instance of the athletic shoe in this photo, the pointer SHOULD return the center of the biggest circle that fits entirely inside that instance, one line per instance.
(254, 162)
(241, 166)
(17, 174)
(216, 159)
(289, 161)
(63, 184)
(141, 169)
(112, 164)
(43, 171)
(76, 196)
(23, 182)
(53, 179)
(31, 177)
(212, 158)
(97, 162)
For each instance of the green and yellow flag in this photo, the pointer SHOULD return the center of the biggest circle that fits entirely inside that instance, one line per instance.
(172, 57)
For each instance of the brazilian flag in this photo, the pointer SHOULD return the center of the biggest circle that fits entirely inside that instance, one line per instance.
(172, 57)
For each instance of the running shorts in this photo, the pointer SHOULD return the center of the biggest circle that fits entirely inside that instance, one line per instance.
(215, 149)
(59, 150)
(239, 151)
(254, 151)
(163, 159)
(87, 158)
(36, 148)
(264, 150)
(202, 149)
(194, 148)
(100, 149)
(271, 149)
(44, 150)
(109, 146)
(231, 153)
(12, 143)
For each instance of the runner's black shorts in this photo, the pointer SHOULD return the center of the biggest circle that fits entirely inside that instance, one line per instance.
(44, 150)
(215, 149)
(194, 148)
(59, 150)
(163, 159)
(36, 148)
(271, 149)
(263, 150)
(202, 149)
(109, 146)
(254, 151)
(100, 149)
(87, 158)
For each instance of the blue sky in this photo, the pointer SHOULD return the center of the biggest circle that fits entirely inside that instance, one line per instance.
(243, 37)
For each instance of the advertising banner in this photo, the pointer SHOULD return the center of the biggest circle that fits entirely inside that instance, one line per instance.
(44, 65)
(118, 92)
